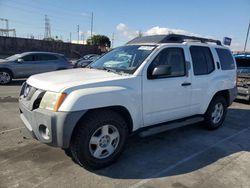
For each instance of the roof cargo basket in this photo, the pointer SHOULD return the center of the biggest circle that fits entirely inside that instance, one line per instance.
(171, 38)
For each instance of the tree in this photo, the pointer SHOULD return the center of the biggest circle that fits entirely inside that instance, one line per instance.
(99, 40)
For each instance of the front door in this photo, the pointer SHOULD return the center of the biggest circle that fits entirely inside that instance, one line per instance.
(27, 67)
(167, 97)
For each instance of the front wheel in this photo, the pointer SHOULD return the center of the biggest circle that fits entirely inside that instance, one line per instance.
(99, 139)
(216, 113)
(5, 77)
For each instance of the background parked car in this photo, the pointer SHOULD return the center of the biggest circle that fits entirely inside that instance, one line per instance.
(85, 57)
(243, 81)
(83, 63)
(29, 63)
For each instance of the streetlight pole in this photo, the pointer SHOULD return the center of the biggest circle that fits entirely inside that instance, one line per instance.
(247, 36)
(78, 30)
(91, 29)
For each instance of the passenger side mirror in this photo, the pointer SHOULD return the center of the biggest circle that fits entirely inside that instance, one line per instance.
(160, 70)
(20, 60)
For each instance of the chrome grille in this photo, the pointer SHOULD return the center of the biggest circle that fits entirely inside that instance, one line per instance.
(31, 96)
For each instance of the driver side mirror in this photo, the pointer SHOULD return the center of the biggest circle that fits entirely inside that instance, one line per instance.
(160, 71)
(20, 60)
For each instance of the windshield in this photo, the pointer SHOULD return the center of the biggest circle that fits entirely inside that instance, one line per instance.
(124, 59)
(13, 57)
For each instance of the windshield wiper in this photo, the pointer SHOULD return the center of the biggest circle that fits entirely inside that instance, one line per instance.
(111, 70)
(107, 69)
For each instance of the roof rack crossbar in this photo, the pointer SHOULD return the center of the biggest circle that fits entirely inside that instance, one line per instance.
(170, 38)
(182, 38)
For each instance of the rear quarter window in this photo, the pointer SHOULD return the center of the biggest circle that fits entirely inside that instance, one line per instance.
(45, 57)
(226, 59)
(64, 58)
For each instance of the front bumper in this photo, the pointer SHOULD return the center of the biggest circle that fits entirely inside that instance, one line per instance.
(59, 125)
(243, 93)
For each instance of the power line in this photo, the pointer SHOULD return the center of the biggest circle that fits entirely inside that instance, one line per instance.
(30, 25)
(30, 9)
(23, 6)
(55, 16)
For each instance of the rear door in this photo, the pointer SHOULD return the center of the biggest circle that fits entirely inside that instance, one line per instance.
(203, 65)
(46, 62)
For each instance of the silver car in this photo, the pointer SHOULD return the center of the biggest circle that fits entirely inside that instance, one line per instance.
(29, 63)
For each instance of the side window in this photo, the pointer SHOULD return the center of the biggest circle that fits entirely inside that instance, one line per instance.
(45, 57)
(172, 57)
(28, 58)
(202, 59)
(226, 59)
(50, 57)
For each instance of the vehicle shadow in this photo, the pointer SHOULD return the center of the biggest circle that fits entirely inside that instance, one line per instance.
(182, 150)
(17, 82)
(242, 101)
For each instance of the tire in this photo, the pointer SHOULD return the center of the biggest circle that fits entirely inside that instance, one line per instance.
(5, 77)
(216, 113)
(67, 151)
(99, 139)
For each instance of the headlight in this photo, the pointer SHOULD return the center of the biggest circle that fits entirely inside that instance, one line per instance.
(52, 100)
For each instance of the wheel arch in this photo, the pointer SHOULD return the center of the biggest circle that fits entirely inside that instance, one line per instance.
(224, 93)
(119, 109)
(9, 70)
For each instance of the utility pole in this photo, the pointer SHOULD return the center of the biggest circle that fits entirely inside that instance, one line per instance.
(47, 33)
(247, 36)
(78, 31)
(92, 20)
(140, 34)
(82, 37)
(7, 26)
(6, 30)
(70, 35)
(113, 39)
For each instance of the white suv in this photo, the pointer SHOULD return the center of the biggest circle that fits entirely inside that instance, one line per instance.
(167, 80)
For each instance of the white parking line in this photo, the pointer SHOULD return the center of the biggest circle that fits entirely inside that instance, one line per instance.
(9, 130)
(153, 176)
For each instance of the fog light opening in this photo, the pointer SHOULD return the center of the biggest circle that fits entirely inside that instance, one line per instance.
(44, 131)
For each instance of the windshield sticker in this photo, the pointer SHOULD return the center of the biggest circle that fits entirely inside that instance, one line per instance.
(146, 48)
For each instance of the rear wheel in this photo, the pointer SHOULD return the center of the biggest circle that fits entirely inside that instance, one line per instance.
(5, 77)
(216, 113)
(99, 139)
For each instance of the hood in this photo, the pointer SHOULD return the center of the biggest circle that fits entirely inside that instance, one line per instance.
(60, 80)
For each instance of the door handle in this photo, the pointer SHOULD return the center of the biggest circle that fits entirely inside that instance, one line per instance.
(186, 84)
(218, 65)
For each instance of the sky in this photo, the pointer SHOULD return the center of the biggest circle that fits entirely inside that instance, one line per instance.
(125, 19)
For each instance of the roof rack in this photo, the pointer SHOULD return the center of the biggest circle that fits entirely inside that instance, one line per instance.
(171, 38)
